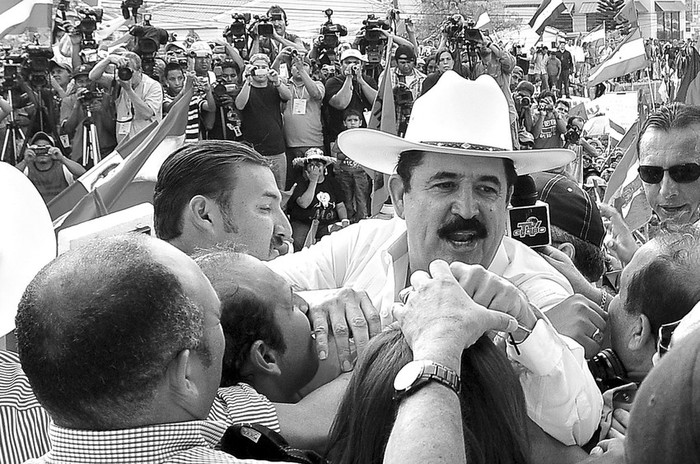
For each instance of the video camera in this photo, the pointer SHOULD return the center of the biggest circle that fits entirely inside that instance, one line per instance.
(372, 40)
(237, 32)
(88, 96)
(35, 65)
(132, 5)
(459, 32)
(11, 63)
(330, 36)
(572, 135)
(149, 40)
(263, 25)
(89, 17)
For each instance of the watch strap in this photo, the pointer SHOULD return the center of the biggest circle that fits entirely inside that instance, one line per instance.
(436, 372)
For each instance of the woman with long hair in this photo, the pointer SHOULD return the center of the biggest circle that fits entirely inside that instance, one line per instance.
(492, 402)
(444, 62)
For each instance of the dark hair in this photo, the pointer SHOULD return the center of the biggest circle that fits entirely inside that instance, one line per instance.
(546, 93)
(565, 103)
(231, 64)
(97, 328)
(669, 286)
(439, 54)
(588, 259)
(202, 168)
(351, 112)
(245, 317)
(172, 66)
(492, 402)
(410, 159)
(278, 9)
(673, 116)
(572, 119)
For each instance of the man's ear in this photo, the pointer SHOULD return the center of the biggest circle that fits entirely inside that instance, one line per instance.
(641, 333)
(202, 212)
(397, 191)
(263, 360)
(179, 376)
(568, 249)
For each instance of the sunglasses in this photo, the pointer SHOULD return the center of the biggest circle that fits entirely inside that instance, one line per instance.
(681, 173)
(663, 343)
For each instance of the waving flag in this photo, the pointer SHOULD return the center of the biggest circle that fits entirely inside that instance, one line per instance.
(689, 89)
(596, 34)
(545, 15)
(107, 198)
(483, 21)
(383, 118)
(628, 57)
(18, 15)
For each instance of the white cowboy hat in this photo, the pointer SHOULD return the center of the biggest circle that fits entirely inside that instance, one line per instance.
(457, 116)
(312, 154)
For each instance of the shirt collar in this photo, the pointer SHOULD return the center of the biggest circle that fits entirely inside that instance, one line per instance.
(155, 443)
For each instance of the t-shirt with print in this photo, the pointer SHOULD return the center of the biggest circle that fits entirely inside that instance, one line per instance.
(327, 195)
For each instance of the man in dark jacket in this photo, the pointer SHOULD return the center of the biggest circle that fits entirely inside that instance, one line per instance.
(567, 64)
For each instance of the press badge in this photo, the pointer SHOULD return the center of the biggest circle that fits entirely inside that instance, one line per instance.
(123, 128)
(237, 131)
(299, 106)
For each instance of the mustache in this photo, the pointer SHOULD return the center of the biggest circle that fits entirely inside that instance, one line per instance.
(459, 224)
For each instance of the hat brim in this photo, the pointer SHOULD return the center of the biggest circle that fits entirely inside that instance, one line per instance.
(380, 151)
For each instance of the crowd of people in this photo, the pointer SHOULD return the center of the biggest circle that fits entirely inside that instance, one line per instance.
(269, 319)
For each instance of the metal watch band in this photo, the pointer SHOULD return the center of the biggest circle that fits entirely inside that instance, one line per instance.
(444, 375)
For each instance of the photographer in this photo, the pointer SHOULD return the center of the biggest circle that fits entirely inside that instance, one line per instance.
(60, 76)
(574, 138)
(302, 114)
(227, 118)
(351, 89)
(259, 102)
(47, 168)
(524, 104)
(405, 72)
(200, 114)
(280, 39)
(139, 98)
(74, 108)
(550, 126)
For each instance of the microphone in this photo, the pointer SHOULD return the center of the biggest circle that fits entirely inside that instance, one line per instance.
(528, 217)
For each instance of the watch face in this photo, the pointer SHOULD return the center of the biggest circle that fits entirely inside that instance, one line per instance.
(407, 375)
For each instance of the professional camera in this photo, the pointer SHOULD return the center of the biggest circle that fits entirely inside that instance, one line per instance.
(403, 96)
(545, 107)
(11, 63)
(124, 73)
(89, 17)
(330, 37)
(573, 135)
(264, 27)
(607, 370)
(35, 65)
(372, 40)
(89, 96)
(237, 32)
(132, 5)
(149, 40)
(221, 89)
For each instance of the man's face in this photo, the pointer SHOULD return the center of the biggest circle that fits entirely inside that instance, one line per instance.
(206, 375)
(61, 75)
(562, 109)
(229, 75)
(620, 321)
(82, 81)
(348, 62)
(43, 162)
(671, 200)
(299, 362)
(562, 46)
(202, 65)
(455, 209)
(175, 80)
(279, 25)
(257, 221)
(352, 122)
(405, 66)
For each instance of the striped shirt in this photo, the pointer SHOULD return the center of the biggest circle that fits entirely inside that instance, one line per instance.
(176, 443)
(241, 404)
(23, 422)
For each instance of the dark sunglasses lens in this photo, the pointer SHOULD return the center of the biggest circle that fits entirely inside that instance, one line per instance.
(651, 174)
(684, 173)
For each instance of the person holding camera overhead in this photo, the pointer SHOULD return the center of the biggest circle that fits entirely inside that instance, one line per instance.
(550, 125)
(272, 45)
(139, 98)
(352, 89)
(259, 102)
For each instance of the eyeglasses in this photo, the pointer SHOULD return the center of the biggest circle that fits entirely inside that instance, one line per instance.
(665, 334)
(681, 173)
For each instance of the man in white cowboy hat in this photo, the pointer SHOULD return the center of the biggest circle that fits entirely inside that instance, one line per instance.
(451, 180)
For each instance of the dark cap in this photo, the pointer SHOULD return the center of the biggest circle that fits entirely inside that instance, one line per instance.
(526, 87)
(663, 425)
(404, 52)
(570, 207)
(41, 136)
(82, 70)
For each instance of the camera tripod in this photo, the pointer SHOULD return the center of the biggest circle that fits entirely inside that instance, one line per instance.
(14, 139)
(91, 144)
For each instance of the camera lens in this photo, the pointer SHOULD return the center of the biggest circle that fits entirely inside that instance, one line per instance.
(124, 73)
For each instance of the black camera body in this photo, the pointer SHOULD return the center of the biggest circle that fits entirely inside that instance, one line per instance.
(237, 31)
(372, 40)
(35, 65)
(40, 150)
(89, 17)
(90, 96)
(264, 27)
(130, 7)
(124, 73)
(607, 370)
(329, 38)
(403, 96)
(572, 135)
(149, 40)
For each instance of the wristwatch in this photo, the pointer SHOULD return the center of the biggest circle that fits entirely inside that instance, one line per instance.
(417, 374)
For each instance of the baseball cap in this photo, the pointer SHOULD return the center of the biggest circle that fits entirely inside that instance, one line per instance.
(404, 52)
(570, 207)
(82, 70)
(352, 53)
(663, 426)
(59, 64)
(41, 136)
(526, 86)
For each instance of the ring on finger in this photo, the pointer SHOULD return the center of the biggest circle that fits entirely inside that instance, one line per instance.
(597, 336)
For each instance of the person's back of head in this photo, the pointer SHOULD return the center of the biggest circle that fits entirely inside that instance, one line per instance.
(492, 403)
(663, 425)
(97, 328)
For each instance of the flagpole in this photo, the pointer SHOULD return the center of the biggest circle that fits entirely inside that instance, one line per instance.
(651, 90)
